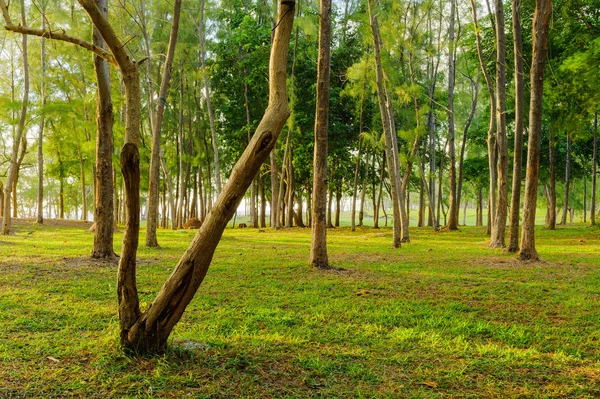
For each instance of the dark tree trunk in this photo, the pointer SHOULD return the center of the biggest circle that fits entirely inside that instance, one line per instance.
(318, 249)
(541, 21)
(104, 206)
(515, 204)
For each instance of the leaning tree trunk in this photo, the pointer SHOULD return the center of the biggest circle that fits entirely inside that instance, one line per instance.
(385, 120)
(563, 219)
(541, 21)
(515, 204)
(318, 248)
(13, 171)
(149, 331)
(499, 226)
(594, 168)
(154, 182)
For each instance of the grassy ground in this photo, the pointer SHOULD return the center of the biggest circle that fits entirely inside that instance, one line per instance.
(443, 317)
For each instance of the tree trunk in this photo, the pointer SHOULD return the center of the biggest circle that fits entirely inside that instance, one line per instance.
(330, 209)
(594, 168)
(207, 99)
(338, 204)
(541, 20)
(563, 220)
(515, 205)
(263, 204)
(104, 205)
(454, 200)
(361, 212)
(491, 142)
(387, 128)
(552, 188)
(82, 173)
(149, 332)
(499, 226)
(274, 191)
(40, 198)
(13, 166)
(154, 182)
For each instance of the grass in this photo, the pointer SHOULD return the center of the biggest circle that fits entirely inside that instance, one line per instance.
(442, 317)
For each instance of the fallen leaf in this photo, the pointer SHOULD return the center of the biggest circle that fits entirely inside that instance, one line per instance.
(430, 384)
(53, 359)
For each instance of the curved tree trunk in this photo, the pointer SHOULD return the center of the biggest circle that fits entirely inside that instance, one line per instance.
(148, 332)
(40, 199)
(563, 219)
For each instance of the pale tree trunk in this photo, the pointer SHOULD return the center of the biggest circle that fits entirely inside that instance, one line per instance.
(361, 212)
(359, 156)
(149, 331)
(211, 117)
(181, 185)
(387, 127)
(10, 184)
(401, 188)
(453, 203)
(318, 249)
(475, 97)
(154, 181)
(594, 168)
(563, 219)
(491, 141)
(82, 173)
(541, 22)
(40, 198)
(274, 191)
(499, 227)
(552, 185)
(515, 204)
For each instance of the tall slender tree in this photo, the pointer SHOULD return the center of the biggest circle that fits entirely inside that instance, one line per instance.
(541, 23)
(318, 249)
(515, 199)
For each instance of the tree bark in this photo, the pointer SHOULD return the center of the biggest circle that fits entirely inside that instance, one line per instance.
(148, 332)
(499, 227)
(40, 198)
(515, 205)
(387, 128)
(318, 251)
(154, 181)
(552, 188)
(563, 220)
(541, 21)
(13, 171)
(454, 200)
(491, 141)
(594, 171)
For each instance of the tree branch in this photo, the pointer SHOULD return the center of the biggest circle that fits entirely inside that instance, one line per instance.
(47, 33)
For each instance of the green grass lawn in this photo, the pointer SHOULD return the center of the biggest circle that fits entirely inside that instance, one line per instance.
(442, 317)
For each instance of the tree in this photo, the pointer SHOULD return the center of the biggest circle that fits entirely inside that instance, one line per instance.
(318, 251)
(453, 206)
(541, 21)
(152, 219)
(499, 227)
(9, 187)
(515, 204)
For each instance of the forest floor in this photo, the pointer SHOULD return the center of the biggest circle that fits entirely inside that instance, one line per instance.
(442, 317)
